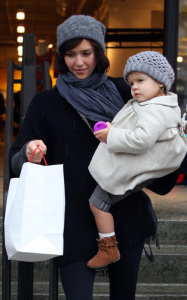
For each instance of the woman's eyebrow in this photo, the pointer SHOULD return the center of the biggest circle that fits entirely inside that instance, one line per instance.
(87, 49)
(81, 50)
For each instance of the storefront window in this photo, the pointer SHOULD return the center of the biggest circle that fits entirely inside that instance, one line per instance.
(181, 88)
(133, 26)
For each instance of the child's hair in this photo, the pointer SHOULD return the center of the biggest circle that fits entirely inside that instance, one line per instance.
(153, 64)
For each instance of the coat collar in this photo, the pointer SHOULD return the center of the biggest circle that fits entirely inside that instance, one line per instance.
(170, 99)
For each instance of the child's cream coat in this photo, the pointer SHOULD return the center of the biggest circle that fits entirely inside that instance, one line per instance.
(144, 142)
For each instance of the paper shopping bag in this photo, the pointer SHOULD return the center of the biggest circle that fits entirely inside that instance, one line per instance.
(34, 217)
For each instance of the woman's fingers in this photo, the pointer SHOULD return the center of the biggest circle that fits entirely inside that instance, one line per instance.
(37, 157)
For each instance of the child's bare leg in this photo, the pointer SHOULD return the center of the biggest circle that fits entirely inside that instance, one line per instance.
(104, 220)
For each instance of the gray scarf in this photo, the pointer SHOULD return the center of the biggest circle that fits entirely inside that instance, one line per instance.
(96, 97)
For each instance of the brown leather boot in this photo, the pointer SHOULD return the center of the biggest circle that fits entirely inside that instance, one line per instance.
(108, 253)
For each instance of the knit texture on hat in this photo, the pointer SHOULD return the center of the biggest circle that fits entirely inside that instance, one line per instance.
(153, 64)
(81, 26)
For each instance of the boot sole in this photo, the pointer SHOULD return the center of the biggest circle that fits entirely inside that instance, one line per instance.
(104, 265)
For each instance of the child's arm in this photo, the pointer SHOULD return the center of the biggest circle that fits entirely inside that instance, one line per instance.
(101, 135)
(150, 125)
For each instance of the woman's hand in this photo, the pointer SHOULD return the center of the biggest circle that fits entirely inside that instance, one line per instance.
(37, 157)
(101, 135)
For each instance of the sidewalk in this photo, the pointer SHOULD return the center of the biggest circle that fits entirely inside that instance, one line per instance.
(172, 206)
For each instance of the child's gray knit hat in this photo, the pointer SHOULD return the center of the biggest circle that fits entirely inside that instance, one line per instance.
(153, 64)
(81, 26)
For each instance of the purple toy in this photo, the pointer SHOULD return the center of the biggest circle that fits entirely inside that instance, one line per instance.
(100, 125)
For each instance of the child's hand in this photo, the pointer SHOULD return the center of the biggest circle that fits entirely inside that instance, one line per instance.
(101, 135)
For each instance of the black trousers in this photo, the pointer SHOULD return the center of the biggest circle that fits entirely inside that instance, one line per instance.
(77, 279)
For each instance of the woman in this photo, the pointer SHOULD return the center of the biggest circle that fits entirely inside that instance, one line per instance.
(59, 122)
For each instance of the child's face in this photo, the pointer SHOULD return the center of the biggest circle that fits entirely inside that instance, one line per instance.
(143, 87)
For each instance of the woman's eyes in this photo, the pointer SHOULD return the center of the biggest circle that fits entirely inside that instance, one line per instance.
(73, 54)
(69, 54)
(86, 53)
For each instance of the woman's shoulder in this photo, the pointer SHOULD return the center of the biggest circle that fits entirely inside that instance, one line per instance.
(47, 93)
(118, 81)
(122, 86)
(44, 98)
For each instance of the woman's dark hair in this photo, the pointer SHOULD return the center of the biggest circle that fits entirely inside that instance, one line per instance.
(102, 64)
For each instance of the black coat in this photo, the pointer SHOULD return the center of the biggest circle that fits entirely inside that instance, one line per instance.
(70, 142)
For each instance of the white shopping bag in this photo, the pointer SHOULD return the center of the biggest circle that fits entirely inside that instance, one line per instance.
(34, 218)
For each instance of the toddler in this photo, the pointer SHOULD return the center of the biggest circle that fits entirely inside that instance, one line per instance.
(144, 141)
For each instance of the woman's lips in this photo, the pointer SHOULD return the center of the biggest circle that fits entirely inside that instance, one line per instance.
(80, 71)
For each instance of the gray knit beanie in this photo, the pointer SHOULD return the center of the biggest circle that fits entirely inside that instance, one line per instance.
(81, 26)
(153, 64)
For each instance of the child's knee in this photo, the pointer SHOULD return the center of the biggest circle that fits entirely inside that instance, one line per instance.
(93, 208)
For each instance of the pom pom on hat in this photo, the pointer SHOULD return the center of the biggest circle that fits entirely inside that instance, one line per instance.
(153, 64)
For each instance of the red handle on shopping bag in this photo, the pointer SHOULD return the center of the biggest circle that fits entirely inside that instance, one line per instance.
(37, 148)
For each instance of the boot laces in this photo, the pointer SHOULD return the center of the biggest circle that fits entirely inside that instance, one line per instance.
(107, 241)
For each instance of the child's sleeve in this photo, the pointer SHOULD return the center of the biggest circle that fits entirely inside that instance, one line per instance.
(149, 127)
